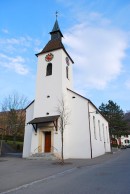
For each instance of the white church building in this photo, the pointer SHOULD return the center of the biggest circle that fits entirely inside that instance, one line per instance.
(87, 133)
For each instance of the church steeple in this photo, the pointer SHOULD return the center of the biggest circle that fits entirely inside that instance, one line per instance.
(56, 32)
(56, 41)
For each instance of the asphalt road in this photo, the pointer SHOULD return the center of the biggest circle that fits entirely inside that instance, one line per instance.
(109, 177)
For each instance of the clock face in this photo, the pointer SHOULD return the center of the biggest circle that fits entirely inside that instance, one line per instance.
(49, 57)
(67, 61)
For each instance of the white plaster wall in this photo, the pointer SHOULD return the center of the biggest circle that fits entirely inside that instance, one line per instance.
(28, 132)
(57, 143)
(67, 139)
(34, 142)
(100, 142)
(53, 85)
(77, 134)
(78, 137)
(66, 83)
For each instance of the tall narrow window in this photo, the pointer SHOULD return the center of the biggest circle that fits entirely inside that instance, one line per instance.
(107, 134)
(99, 130)
(103, 133)
(67, 72)
(94, 127)
(49, 69)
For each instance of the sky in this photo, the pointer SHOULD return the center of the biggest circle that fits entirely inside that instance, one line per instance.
(96, 36)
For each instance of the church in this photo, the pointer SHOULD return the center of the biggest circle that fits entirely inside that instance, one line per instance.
(86, 131)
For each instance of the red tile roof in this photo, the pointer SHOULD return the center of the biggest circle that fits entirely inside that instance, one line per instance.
(54, 45)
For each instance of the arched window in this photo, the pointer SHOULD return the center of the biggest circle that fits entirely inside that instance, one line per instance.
(67, 72)
(107, 134)
(49, 69)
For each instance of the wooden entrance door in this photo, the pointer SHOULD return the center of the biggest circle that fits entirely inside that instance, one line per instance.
(47, 141)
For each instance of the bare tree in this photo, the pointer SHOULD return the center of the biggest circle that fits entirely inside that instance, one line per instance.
(13, 114)
(64, 113)
(3, 124)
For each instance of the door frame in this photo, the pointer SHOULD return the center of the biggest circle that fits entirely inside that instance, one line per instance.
(41, 139)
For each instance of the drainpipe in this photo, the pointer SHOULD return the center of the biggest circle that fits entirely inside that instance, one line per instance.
(90, 132)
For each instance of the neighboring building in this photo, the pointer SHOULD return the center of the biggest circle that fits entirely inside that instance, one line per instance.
(125, 140)
(87, 134)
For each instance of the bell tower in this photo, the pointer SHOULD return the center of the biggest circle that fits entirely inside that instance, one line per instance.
(54, 74)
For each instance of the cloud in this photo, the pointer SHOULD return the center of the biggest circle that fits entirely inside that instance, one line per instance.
(38, 47)
(127, 84)
(5, 31)
(20, 44)
(14, 63)
(98, 52)
(14, 53)
(96, 46)
(22, 41)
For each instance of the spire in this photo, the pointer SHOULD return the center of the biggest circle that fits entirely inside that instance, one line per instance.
(56, 14)
(56, 26)
(56, 32)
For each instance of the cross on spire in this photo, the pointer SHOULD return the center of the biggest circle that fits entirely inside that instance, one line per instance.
(56, 14)
(56, 33)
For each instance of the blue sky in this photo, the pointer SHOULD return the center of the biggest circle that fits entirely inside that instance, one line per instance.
(96, 35)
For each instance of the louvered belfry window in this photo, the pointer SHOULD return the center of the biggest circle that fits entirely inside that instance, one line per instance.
(49, 69)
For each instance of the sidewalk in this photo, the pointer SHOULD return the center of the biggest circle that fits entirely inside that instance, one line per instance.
(15, 172)
(100, 159)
